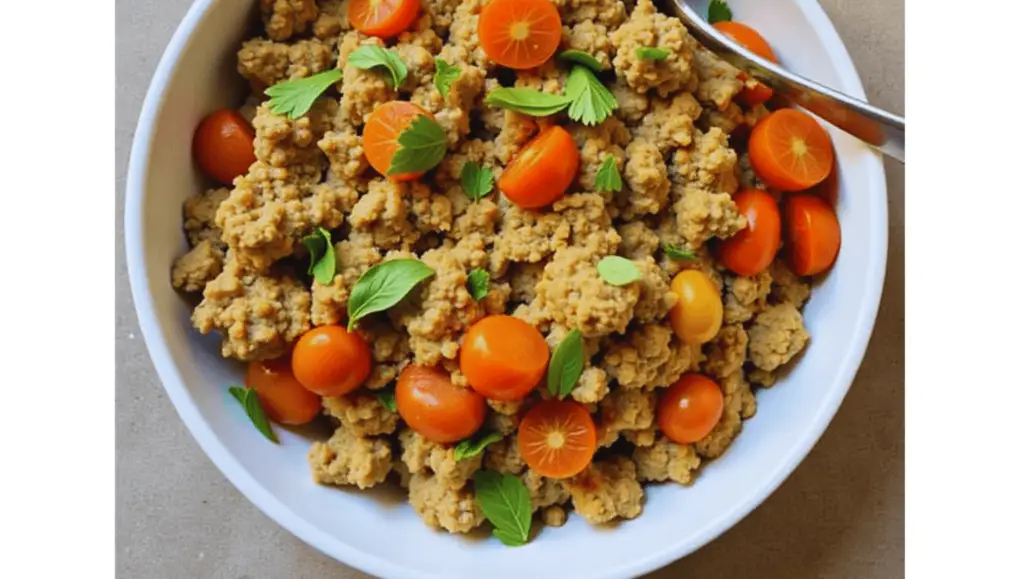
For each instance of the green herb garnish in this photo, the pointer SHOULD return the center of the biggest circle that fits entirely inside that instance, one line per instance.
(719, 11)
(387, 400)
(322, 262)
(383, 286)
(652, 53)
(477, 181)
(294, 98)
(580, 57)
(608, 178)
(527, 101)
(678, 253)
(592, 102)
(372, 56)
(444, 75)
(618, 270)
(469, 447)
(505, 501)
(479, 282)
(251, 404)
(566, 365)
(421, 146)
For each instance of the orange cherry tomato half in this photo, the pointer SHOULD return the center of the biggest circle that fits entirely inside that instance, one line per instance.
(557, 438)
(753, 248)
(380, 135)
(283, 399)
(790, 151)
(222, 146)
(383, 18)
(690, 409)
(503, 357)
(519, 33)
(748, 38)
(812, 234)
(331, 361)
(697, 315)
(758, 94)
(829, 188)
(434, 407)
(541, 172)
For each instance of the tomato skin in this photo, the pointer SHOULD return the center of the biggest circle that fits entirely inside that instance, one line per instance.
(223, 145)
(381, 131)
(697, 315)
(748, 38)
(434, 407)
(753, 248)
(331, 361)
(383, 18)
(519, 34)
(690, 408)
(503, 358)
(790, 151)
(813, 235)
(565, 423)
(541, 172)
(283, 398)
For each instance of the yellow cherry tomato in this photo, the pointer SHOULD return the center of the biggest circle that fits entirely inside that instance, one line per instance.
(697, 316)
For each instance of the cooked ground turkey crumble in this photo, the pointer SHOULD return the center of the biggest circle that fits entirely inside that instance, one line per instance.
(669, 138)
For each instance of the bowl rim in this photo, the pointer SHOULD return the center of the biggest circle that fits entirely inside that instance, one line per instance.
(229, 466)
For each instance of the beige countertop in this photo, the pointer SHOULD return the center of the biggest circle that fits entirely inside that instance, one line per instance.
(839, 515)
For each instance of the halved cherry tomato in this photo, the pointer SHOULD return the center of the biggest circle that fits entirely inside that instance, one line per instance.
(283, 399)
(380, 135)
(690, 409)
(331, 361)
(758, 94)
(222, 145)
(812, 234)
(754, 42)
(519, 33)
(697, 315)
(790, 151)
(503, 357)
(753, 248)
(829, 188)
(541, 172)
(383, 18)
(434, 407)
(557, 438)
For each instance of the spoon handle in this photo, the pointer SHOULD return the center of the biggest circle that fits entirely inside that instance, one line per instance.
(878, 128)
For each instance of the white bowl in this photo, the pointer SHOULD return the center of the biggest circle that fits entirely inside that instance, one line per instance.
(385, 537)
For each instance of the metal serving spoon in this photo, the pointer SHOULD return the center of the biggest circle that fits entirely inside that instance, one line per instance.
(878, 128)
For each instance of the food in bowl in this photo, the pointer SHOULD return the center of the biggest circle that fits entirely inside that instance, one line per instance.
(523, 254)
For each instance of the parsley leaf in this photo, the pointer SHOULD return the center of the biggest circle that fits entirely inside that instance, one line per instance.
(469, 448)
(580, 57)
(527, 101)
(322, 262)
(294, 98)
(444, 75)
(592, 102)
(251, 404)
(387, 400)
(479, 284)
(652, 53)
(678, 253)
(566, 365)
(718, 11)
(618, 270)
(505, 501)
(371, 56)
(477, 181)
(421, 146)
(383, 286)
(608, 178)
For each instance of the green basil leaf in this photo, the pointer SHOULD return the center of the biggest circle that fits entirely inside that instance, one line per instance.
(566, 364)
(718, 11)
(592, 102)
(678, 253)
(383, 286)
(527, 101)
(476, 181)
(387, 400)
(294, 98)
(618, 270)
(421, 146)
(469, 448)
(322, 261)
(479, 282)
(580, 57)
(608, 177)
(371, 56)
(251, 404)
(444, 75)
(505, 501)
(651, 53)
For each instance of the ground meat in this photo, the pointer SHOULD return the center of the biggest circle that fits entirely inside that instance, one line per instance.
(354, 256)
(646, 179)
(719, 81)
(596, 143)
(669, 124)
(739, 402)
(549, 77)
(523, 278)
(516, 129)
(441, 12)
(609, 13)
(384, 213)
(284, 18)
(443, 507)
(449, 171)
(257, 316)
(648, 27)
(776, 336)
(623, 410)
(607, 490)
(745, 296)
(362, 90)
(701, 215)
(200, 216)
(347, 459)
(638, 240)
(633, 105)
(452, 111)
(192, 271)
(503, 456)
(554, 516)
(544, 491)
(787, 287)
(655, 298)
(592, 386)
(281, 142)
(649, 356)
(463, 43)
(666, 460)
(425, 457)
(344, 150)
(265, 63)
(708, 163)
(591, 38)
(361, 414)
(332, 19)
(726, 352)
(573, 294)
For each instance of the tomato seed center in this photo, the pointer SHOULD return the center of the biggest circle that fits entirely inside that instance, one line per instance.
(519, 31)
(556, 439)
(799, 147)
